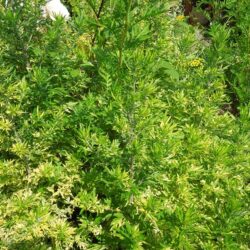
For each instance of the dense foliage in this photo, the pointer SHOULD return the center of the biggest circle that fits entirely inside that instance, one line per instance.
(120, 129)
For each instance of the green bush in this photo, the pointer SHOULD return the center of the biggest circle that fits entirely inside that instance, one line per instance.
(113, 133)
(231, 49)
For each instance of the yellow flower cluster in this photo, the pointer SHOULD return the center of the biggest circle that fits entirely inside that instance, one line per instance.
(198, 62)
(180, 18)
(83, 38)
(83, 41)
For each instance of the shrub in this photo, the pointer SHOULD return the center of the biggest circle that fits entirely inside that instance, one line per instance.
(113, 134)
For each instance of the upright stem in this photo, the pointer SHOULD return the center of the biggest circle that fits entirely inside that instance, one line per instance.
(92, 7)
(132, 122)
(124, 34)
(100, 9)
(98, 16)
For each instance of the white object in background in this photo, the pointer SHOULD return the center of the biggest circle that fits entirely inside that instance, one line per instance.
(55, 8)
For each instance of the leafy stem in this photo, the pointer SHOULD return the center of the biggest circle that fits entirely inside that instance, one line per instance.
(98, 14)
(124, 33)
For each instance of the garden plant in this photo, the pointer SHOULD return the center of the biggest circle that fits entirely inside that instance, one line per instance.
(122, 129)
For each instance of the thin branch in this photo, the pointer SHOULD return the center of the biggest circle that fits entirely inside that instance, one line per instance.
(133, 124)
(92, 8)
(124, 34)
(98, 14)
(100, 9)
